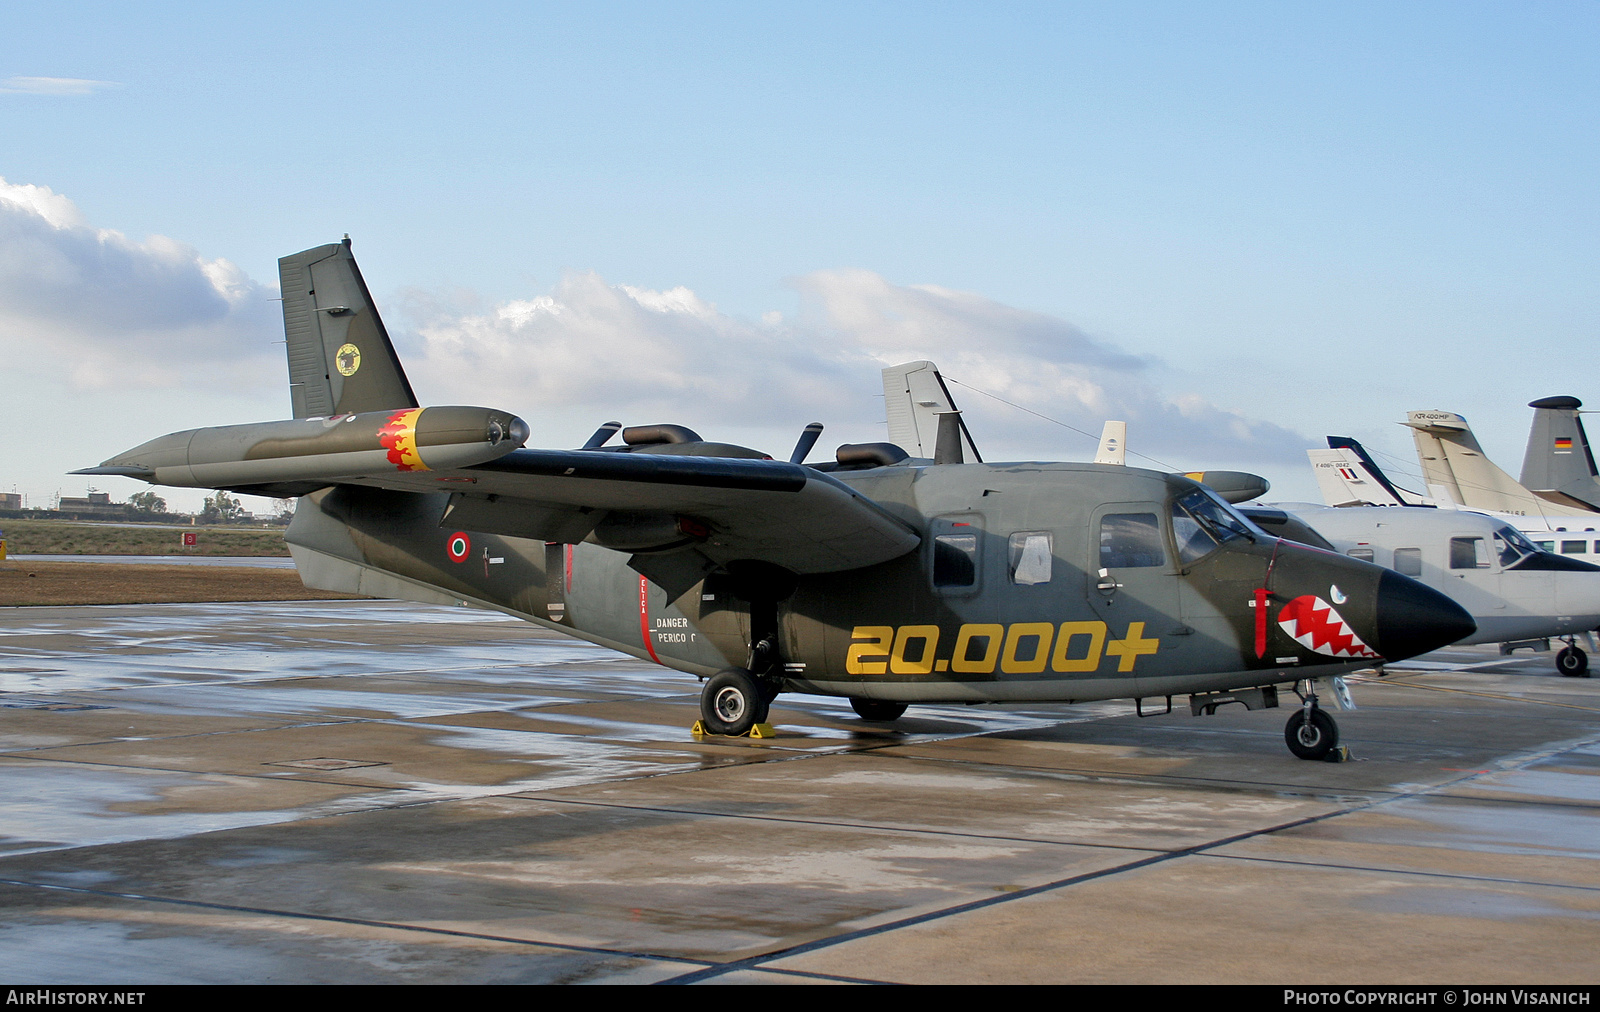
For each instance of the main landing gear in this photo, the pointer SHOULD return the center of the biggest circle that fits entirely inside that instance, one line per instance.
(1311, 733)
(733, 701)
(876, 710)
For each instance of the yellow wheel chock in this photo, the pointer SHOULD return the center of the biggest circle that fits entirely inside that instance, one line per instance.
(756, 731)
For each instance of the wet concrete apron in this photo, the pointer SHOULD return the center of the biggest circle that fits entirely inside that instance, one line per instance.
(385, 792)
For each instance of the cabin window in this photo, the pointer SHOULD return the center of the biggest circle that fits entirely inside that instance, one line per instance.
(1468, 553)
(1030, 558)
(955, 560)
(1408, 561)
(1546, 546)
(1130, 541)
(1364, 554)
(1573, 547)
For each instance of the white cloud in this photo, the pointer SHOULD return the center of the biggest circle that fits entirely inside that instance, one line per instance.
(595, 350)
(53, 86)
(96, 309)
(102, 308)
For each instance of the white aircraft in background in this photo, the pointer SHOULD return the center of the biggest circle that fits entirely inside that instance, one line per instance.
(1348, 476)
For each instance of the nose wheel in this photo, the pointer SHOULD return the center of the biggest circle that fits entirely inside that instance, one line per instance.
(1311, 733)
(1572, 662)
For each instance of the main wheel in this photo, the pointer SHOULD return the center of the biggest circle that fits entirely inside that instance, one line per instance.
(876, 709)
(1572, 662)
(1312, 739)
(732, 703)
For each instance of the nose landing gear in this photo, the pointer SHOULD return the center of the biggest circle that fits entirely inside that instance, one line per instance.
(1311, 733)
(1571, 661)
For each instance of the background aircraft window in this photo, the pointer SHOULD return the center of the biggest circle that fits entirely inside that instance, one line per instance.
(1130, 541)
(1574, 547)
(1546, 546)
(1364, 554)
(955, 560)
(1408, 561)
(1030, 558)
(1468, 553)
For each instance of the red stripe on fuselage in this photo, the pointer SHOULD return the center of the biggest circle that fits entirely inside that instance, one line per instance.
(644, 618)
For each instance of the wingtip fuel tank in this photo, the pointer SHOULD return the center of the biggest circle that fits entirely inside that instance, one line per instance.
(301, 449)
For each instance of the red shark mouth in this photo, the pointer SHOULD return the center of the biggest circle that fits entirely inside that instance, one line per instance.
(1312, 622)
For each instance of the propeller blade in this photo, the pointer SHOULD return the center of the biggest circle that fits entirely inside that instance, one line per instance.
(601, 435)
(808, 439)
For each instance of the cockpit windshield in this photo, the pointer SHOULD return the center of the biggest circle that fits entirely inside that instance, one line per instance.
(1512, 546)
(1201, 522)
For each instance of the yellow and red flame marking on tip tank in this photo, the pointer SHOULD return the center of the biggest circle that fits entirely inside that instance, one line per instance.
(399, 437)
(1313, 623)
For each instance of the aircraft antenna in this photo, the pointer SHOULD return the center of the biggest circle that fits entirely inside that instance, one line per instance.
(1059, 422)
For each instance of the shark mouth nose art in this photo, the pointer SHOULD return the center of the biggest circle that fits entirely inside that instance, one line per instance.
(1317, 626)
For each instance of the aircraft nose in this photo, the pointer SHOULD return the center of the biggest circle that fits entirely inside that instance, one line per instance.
(1413, 619)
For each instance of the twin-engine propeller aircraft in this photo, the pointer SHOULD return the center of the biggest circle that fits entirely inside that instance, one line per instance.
(882, 577)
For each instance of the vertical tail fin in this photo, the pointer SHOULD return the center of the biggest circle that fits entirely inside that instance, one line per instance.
(1453, 461)
(1559, 466)
(340, 358)
(915, 396)
(1348, 462)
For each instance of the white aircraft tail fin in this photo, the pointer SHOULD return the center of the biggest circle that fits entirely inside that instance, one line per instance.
(914, 396)
(1348, 476)
(1441, 498)
(1559, 466)
(1113, 444)
(1453, 461)
(1340, 479)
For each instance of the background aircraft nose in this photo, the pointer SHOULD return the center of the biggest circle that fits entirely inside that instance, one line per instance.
(1413, 619)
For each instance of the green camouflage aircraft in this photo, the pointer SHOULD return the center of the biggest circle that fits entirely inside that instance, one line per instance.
(883, 577)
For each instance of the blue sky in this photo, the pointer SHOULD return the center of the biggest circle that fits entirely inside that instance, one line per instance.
(1242, 225)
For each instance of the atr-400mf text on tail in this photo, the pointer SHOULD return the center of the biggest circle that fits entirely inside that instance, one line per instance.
(879, 576)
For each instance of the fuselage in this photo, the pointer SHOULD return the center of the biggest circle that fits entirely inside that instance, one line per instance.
(1032, 581)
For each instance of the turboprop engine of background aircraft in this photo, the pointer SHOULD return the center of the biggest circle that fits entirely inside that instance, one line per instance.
(878, 576)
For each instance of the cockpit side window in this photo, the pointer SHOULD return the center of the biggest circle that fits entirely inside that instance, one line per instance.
(1131, 541)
